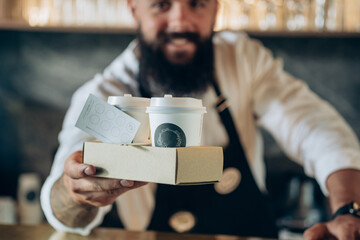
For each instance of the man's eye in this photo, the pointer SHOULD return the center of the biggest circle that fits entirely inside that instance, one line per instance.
(197, 4)
(161, 5)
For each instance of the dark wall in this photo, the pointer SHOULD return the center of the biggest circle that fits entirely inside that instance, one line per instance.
(39, 72)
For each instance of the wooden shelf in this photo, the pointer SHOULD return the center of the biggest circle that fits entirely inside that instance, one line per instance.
(305, 34)
(24, 26)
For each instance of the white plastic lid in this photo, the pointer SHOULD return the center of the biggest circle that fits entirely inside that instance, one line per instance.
(169, 104)
(178, 102)
(128, 101)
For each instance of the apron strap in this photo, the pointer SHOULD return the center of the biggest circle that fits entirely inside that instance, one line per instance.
(222, 107)
(143, 93)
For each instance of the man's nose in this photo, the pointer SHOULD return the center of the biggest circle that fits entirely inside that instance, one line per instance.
(179, 18)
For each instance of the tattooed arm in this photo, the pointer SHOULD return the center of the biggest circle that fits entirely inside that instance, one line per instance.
(77, 194)
(66, 210)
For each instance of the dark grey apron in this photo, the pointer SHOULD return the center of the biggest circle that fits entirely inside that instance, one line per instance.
(245, 211)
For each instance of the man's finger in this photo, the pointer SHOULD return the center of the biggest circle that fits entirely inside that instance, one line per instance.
(126, 183)
(317, 232)
(345, 233)
(104, 198)
(75, 169)
(100, 199)
(345, 227)
(92, 184)
(139, 184)
(346, 236)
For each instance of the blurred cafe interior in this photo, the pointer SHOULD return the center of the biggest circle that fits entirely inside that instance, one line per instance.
(48, 48)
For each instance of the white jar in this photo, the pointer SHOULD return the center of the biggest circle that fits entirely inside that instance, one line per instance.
(136, 108)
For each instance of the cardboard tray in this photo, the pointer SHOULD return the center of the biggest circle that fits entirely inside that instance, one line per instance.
(175, 166)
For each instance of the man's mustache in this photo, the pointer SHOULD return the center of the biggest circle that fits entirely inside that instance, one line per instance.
(168, 37)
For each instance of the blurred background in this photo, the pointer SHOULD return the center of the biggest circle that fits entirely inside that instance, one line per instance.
(251, 15)
(48, 48)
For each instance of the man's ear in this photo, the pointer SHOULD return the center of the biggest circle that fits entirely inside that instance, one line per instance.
(216, 11)
(132, 6)
(216, 6)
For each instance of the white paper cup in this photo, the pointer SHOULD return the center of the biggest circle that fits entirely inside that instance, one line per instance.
(176, 122)
(136, 108)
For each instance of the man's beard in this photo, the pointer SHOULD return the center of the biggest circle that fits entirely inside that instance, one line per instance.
(158, 74)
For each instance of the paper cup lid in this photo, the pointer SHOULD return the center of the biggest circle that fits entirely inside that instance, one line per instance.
(177, 102)
(166, 110)
(168, 104)
(128, 101)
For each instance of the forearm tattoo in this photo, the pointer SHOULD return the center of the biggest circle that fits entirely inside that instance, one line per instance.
(66, 210)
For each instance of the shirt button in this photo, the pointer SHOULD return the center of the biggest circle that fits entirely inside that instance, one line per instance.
(229, 181)
(182, 221)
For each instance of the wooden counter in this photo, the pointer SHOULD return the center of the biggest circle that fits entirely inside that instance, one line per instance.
(42, 232)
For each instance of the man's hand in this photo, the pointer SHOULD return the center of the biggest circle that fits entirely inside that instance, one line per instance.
(95, 191)
(343, 188)
(76, 196)
(343, 227)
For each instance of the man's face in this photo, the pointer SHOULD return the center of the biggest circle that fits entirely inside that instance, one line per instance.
(162, 23)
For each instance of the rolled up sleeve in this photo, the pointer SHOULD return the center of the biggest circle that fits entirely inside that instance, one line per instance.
(307, 128)
(71, 140)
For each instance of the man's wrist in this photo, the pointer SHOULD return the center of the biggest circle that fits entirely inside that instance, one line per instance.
(343, 188)
(352, 208)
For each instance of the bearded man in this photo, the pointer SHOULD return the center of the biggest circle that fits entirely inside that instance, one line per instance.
(176, 52)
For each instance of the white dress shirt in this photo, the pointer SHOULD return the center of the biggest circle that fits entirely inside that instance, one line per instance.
(260, 94)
